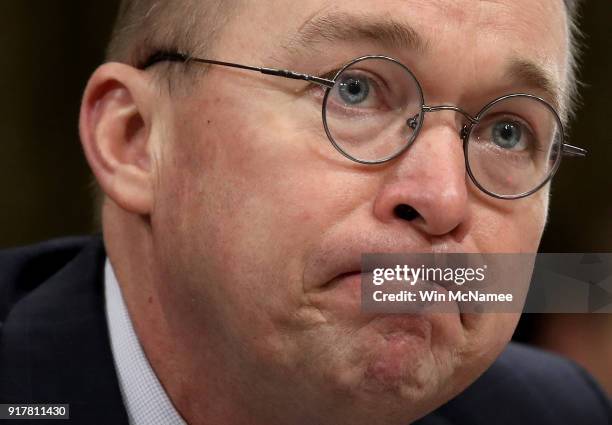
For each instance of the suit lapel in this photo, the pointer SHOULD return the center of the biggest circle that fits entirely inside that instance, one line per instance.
(55, 346)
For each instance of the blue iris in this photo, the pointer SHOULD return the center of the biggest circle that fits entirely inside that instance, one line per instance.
(354, 90)
(507, 134)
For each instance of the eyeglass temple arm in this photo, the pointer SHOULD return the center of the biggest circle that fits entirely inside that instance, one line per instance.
(570, 150)
(178, 57)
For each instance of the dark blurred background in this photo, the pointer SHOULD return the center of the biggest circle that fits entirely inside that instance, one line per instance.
(48, 49)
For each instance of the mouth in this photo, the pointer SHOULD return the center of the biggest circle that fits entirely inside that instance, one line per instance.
(351, 276)
(347, 288)
(348, 283)
(396, 334)
(347, 278)
(345, 293)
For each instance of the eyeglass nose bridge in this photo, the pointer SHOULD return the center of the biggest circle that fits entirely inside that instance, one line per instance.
(413, 121)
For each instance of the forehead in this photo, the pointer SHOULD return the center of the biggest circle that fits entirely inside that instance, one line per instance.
(469, 35)
(534, 20)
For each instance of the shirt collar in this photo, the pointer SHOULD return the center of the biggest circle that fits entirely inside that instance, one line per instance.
(145, 399)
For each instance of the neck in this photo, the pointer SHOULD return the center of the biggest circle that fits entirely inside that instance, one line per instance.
(204, 385)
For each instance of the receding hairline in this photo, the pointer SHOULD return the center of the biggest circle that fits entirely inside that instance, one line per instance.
(142, 23)
(145, 26)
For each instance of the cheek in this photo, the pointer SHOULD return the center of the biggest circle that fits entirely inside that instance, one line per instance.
(510, 226)
(530, 218)
(242, 205)
(486, 335)
(261, 185)
(514, 227)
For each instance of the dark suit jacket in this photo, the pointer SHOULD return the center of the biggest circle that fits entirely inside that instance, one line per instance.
(54, 348)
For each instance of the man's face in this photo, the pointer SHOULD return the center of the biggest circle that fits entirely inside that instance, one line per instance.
(260, 224)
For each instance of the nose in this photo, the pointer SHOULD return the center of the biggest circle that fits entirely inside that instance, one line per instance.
(427, 184)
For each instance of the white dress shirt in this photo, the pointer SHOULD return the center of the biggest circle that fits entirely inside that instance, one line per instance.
(145, 399)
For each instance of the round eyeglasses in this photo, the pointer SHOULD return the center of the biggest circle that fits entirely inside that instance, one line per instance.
(374, 108)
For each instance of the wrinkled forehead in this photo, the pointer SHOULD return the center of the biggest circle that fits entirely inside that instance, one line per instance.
(527, 25)
(471, 36)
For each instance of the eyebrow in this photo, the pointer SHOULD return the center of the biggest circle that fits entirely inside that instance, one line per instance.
(387, 31)
(336, 26)
(534, 76)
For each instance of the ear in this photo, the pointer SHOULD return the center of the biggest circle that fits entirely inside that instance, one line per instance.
(115, 128)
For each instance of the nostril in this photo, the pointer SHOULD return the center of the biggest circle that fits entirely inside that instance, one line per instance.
(406, 212)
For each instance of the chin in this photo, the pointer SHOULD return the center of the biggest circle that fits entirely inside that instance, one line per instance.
(399, 385)
(399, 363)
(395, 368)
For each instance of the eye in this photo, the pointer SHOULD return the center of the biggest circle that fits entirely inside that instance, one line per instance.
(358, 91)
(508, 134)
(354, 89)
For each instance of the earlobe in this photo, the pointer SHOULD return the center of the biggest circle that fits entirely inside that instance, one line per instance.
(115, 129)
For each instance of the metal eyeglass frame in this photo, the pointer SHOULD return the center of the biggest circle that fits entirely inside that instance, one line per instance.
(414, 122)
